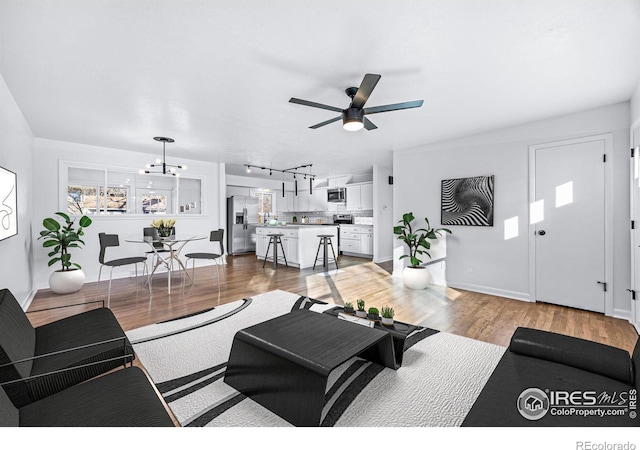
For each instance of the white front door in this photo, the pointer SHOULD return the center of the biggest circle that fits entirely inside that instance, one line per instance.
(568, 213)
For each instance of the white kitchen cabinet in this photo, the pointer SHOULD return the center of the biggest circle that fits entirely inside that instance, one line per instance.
(318, 201)
(366, 243)
(301, 201)
(262, 241)
(315, 201)
(356, 240)
(285, 204)
(360, 196)
(290, 245)
(289, 201)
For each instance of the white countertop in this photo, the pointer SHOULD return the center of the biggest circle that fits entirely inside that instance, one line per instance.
(297, 225)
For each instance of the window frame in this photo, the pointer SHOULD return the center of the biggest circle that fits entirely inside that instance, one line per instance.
(63, 177)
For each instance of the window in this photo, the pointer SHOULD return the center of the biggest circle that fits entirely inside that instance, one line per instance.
(81, 199)
(154, 204)
(265, 201)
(115, 192)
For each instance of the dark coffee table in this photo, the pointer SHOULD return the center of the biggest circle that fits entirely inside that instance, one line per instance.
(284, 363)
(398, 331)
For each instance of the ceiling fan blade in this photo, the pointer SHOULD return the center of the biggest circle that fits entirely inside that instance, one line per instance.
(369, 125)
(364, 91)
(394, 107)
(326, 122)
(314, 104)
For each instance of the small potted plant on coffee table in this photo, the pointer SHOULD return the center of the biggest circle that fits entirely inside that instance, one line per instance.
(387, 316)
(361, 312)
(348, 308)
(374, 314)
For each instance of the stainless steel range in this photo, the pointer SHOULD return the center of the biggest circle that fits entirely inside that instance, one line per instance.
(338, 219)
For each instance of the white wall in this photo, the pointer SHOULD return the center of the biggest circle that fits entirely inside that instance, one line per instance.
(47, 157)
(382, 214)
(478, 258)
(16, 155)
(635, 106)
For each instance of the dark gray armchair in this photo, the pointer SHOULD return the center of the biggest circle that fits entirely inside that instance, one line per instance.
(36, 362)
(124, 398)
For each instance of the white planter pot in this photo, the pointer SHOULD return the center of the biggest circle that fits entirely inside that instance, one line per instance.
(66, 282)
(361, 313)
(416, 277)
(388, 321)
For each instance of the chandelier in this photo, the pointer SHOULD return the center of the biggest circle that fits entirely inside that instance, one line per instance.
(164, 168)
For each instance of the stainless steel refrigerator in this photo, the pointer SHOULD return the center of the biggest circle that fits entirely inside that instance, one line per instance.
(242, 218)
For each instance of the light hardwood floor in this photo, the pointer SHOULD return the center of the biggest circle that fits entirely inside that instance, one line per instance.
(478, 316)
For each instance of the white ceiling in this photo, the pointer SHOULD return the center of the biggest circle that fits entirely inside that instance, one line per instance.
(217, 75)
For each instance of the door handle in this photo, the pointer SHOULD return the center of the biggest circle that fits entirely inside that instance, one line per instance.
(604, 285)
(542, 232)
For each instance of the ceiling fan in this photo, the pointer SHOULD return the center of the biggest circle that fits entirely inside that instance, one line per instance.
(353, 118)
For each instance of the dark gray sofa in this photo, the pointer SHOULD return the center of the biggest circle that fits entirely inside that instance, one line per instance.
(36, 362)
(552, 380)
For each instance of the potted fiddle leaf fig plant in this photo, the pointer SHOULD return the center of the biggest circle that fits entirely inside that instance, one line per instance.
(361, 312)
(416, 276)
(387, 315)
(60, 239)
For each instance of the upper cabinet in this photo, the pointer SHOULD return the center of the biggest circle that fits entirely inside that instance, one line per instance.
(360, 196)
(305, 202)
(286, 203)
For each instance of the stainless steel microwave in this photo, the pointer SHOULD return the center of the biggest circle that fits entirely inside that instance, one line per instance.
(336, 195)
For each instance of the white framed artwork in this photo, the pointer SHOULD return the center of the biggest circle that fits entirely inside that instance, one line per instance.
(8, 204)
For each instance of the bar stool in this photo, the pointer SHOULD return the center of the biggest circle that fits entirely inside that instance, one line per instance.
(274, 238)
(325, 242)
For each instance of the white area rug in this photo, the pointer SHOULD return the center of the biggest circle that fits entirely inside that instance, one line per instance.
(440, 378)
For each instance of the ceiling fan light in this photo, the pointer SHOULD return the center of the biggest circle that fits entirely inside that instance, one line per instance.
(352, 119)
(352, 125)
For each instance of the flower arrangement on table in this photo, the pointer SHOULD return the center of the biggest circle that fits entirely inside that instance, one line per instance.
(163, 226)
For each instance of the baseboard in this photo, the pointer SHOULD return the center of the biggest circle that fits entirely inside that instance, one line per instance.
(29, 299)
(384, 259)
(622, 314)
(515, 295)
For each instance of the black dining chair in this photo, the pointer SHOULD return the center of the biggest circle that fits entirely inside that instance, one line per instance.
(111, 240)
(215, 236)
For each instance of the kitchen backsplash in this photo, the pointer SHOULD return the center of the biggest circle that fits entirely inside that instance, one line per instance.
(325, 216)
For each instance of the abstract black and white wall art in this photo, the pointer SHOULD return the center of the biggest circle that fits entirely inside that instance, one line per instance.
(8, 204)
(468, 201)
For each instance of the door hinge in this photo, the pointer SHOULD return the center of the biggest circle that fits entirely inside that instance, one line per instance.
(604, 158)
(604, 285)
(633, 294)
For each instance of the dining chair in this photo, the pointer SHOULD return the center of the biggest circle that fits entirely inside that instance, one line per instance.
(215, 236)
(158, 246)
(112, 240)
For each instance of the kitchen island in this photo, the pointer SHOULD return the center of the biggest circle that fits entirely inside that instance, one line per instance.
(300, 242)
